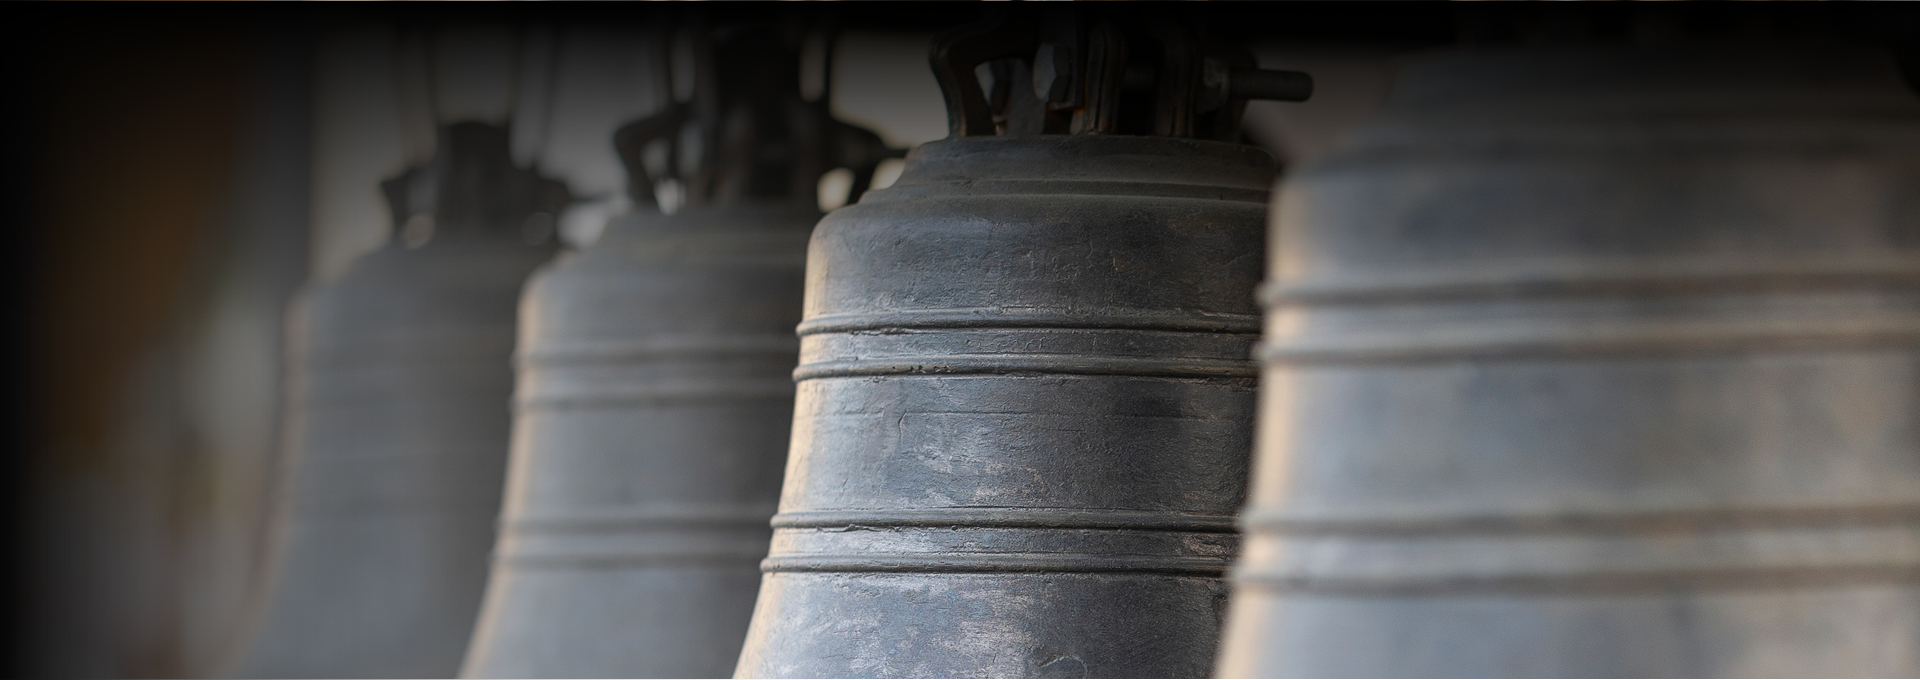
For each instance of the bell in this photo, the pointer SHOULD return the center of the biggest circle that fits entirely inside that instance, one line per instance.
(398, 430)
(1025, 394)
(1596, 362)
(655, 395)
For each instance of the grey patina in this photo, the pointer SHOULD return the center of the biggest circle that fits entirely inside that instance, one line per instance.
(1026, 398)
(1596, 362)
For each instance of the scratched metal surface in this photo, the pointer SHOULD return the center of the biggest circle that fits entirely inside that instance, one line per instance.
(1024, 415)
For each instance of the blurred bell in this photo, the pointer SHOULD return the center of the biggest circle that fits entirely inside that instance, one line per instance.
(1596, 362)
(655, 389)
(398, 424)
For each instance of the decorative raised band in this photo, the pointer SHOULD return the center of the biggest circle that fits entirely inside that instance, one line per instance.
(640, 518)
(677, 391)
(668, 347)
(1906, 571)
(446, 341)
(635, 537)
(996, 563)
(742, 557)
(1585, 552)
(1622, 337)
(989, 317)
(1012, 518)
(1014, 364)
(1589, 278)
(1657, 520)
(1000, 540)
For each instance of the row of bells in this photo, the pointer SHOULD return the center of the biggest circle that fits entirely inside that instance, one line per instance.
(1573, 362)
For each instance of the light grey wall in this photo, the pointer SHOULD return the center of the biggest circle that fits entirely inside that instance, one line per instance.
(357, 141)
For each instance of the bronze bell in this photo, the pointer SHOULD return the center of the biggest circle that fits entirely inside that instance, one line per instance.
(398, 425)
(1025, 393)
(655, 394)
(1596, 362)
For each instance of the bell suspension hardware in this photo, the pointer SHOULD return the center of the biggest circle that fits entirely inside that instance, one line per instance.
(747, 135)
(1072, 73)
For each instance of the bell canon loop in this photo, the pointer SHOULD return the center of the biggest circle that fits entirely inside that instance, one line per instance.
(1025, 390)
(655, 396)
(1596, 362)
(398, 425)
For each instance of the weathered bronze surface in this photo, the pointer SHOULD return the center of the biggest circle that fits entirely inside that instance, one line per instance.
(656, 393)
(398, 432)
(1026, 399)
(1596, 362)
